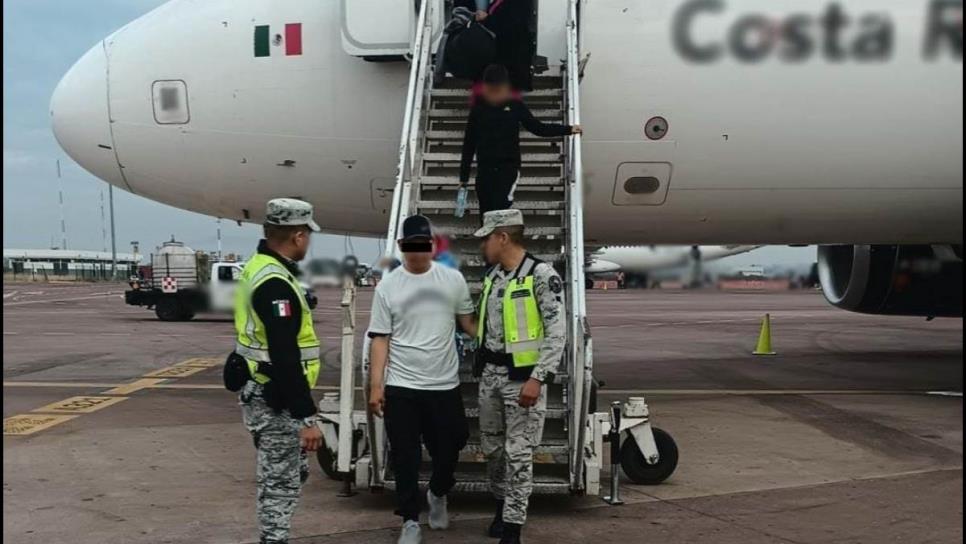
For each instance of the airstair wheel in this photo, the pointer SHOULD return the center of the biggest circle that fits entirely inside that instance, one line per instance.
(637, 468)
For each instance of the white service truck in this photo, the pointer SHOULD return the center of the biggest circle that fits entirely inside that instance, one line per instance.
(185, 283)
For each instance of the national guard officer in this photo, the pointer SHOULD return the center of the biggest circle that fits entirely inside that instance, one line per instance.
(521, 333)
(277, 340)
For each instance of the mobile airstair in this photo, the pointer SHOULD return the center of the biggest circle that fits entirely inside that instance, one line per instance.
(549, 193)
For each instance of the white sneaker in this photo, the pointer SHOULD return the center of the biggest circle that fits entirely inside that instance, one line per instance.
(411, 533)
(438, 516)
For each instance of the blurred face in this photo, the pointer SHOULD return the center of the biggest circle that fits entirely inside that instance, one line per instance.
(417, 254)
(495, 94)
(494, 245)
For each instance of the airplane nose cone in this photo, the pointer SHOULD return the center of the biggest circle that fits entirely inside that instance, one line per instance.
(80, 118)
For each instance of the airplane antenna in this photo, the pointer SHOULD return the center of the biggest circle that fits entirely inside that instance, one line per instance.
(103, 225)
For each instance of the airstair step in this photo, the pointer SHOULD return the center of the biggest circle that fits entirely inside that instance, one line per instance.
(526, 148)
(472, 477)
(557, 92)
(531, 215)
(523, 180)
(558, 485)
(549, 451)
(542, 114)
(547, 80)
(448, 224)
(468, 377)
(463, 104)
(530, 233)
(434, 136)
(523, 205)
(524, 157)
(552, 413)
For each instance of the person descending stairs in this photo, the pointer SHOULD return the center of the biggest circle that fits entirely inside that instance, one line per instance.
(548, 193)
(540, 194)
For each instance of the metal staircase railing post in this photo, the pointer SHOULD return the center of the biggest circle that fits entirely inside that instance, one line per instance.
(401, 197)
(578, 365)
(404, 168)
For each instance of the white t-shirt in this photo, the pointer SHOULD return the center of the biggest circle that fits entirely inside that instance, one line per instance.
(418, 312)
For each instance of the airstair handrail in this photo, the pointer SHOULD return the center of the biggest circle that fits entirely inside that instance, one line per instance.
(408, 157)
(577, 356)
(411, 119)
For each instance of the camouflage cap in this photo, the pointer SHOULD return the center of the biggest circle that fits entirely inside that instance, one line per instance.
(290, 212)
(499, 218)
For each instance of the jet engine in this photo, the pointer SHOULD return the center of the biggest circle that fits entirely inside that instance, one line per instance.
(893, 280)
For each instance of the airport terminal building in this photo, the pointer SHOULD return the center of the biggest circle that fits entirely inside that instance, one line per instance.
(65, 264)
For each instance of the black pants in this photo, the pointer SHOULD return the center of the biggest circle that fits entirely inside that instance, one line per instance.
(512, 24)
(493, 185)
(518, 66)
(434, 418)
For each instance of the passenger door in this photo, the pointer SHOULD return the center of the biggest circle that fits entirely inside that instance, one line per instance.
(377, 28)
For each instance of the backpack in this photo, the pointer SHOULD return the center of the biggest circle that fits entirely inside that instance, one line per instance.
(467, 48)
(470, 51)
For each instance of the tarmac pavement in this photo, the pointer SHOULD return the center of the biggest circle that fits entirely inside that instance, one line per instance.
(852, 433)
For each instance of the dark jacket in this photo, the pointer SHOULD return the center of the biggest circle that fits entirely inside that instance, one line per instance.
(288, 389)
(493, 133)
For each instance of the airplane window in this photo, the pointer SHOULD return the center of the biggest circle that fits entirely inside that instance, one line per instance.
(170, 102)
(642, 185)
(169, 99)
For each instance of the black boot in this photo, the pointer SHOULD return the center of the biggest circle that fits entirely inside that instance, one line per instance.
(496, 528)
(511, 533)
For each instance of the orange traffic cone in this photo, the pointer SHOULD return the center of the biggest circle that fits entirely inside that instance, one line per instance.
(764, 338)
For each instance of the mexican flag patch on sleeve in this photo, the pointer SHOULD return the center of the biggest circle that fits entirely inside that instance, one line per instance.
(283, 308)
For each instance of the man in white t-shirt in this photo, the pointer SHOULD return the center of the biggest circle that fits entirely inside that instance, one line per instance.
(412, 330)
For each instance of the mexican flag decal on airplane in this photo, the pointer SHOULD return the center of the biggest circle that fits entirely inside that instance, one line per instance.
(292, 39)
(283, 308)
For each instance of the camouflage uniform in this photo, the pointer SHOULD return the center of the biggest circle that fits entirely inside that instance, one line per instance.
(508, 432)
(281, 465)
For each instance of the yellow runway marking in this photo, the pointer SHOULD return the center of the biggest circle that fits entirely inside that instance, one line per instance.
(80, 405)
(127, 389)
(84, 385)
(25, 424)
(184, 368)
(204, 362)
(175, 371)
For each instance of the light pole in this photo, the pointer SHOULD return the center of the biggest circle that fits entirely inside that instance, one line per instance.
(110, 198)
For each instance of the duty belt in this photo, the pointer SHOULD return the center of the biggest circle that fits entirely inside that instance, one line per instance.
(493, 358)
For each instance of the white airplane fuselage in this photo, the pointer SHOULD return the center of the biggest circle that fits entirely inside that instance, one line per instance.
(648, 259)
(825, 144)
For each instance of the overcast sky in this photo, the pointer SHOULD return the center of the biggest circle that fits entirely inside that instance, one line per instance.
(41, 40)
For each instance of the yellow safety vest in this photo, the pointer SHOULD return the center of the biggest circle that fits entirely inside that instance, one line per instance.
(522, 323)
(252, 342)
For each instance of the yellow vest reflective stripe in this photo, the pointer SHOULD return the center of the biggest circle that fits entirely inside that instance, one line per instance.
(522, 323)
(252, 341)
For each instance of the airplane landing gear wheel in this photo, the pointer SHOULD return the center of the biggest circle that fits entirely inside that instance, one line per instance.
(639, 471)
